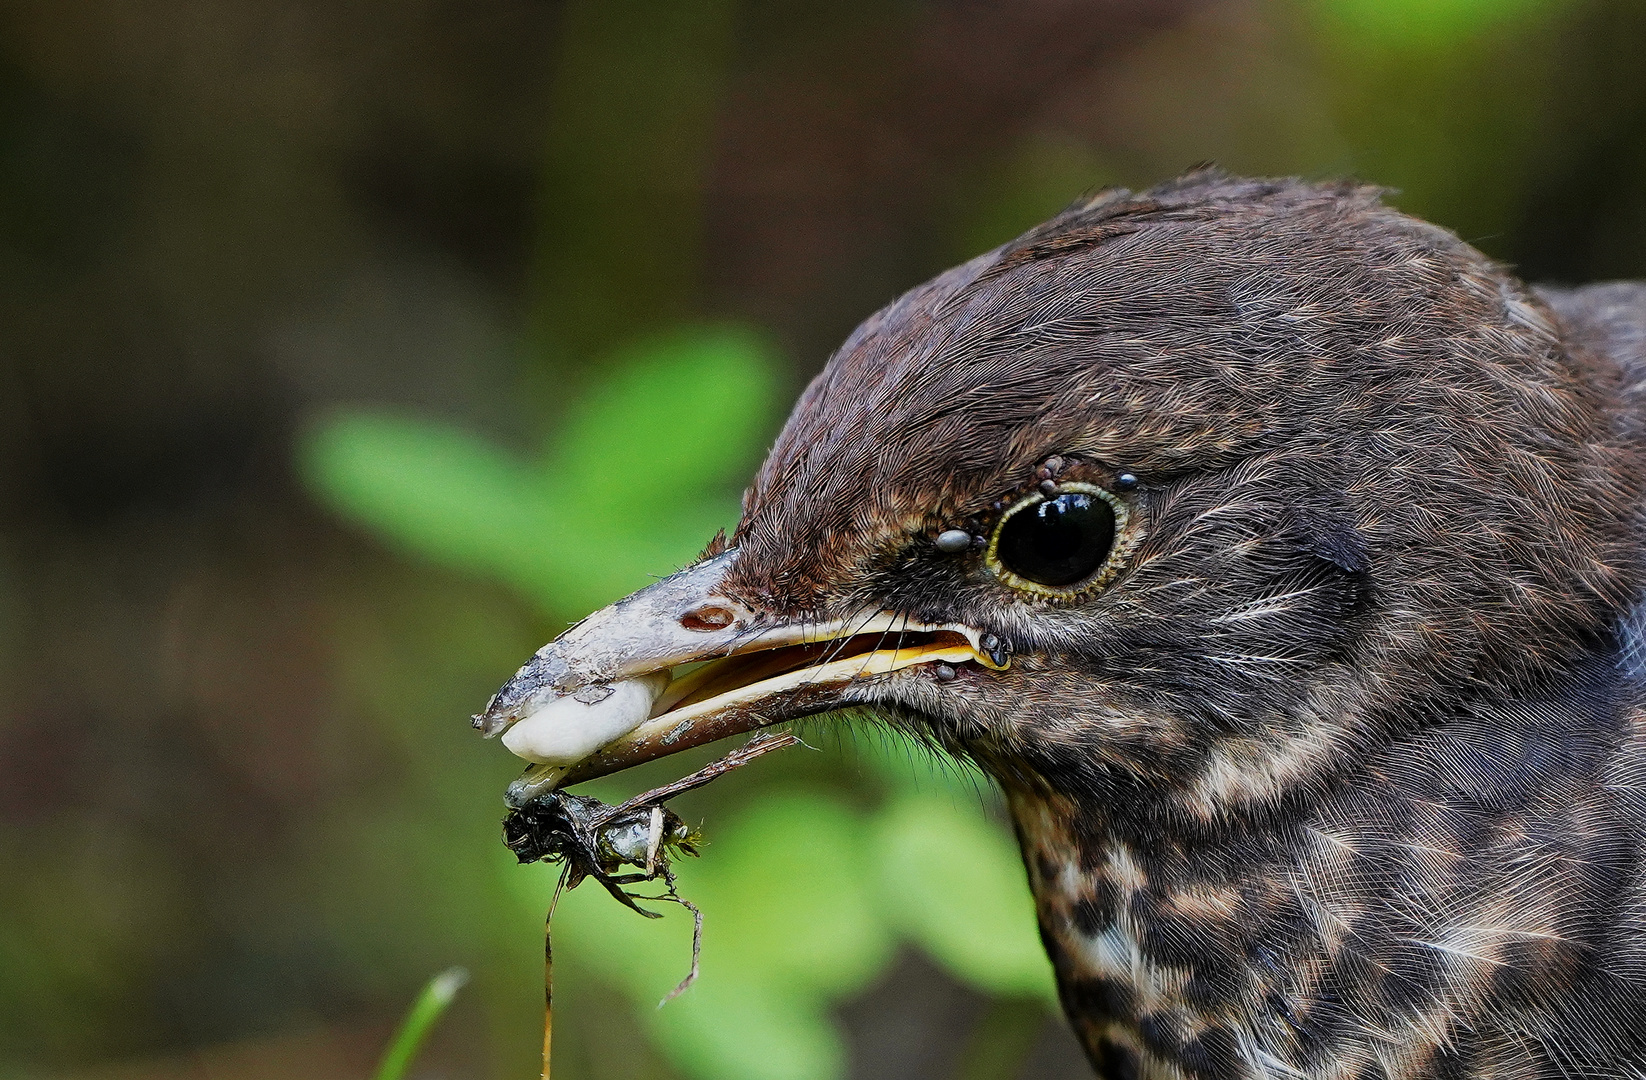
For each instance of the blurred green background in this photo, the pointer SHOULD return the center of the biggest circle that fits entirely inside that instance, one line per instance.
(349, 351)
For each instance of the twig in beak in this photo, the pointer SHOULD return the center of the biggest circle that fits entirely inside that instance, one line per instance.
(763, 743)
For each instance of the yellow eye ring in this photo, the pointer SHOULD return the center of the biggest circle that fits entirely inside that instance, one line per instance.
(1074, 542)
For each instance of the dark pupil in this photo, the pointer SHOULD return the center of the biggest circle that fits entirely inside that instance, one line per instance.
(1059, 541)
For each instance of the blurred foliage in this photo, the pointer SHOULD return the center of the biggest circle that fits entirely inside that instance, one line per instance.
(804, 894)
(1423, 24)
(1036, 180)
(631, 126)
(954, 883)
(643, 473)
(807, 892)
(419, 1021)
(499, 262)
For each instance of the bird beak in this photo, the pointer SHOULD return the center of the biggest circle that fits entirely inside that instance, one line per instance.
(616, 689)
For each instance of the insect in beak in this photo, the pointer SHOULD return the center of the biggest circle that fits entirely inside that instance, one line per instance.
(592, 840)
(613, 691)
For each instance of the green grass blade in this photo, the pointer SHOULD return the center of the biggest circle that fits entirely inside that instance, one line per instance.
(419, 1021)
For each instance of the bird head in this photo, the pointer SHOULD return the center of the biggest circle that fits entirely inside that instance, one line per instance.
(1170, 508)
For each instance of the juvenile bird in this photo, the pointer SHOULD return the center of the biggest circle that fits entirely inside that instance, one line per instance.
(1280, 557)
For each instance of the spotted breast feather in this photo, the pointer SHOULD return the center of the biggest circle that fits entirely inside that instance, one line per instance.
(1280, 557)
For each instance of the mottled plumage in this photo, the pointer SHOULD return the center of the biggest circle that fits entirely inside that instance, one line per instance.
(1344, 774)
(1340, 769)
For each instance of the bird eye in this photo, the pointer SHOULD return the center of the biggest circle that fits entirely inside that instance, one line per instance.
(1056, 541)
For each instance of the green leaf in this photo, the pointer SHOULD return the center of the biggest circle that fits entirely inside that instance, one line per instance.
(953, 881)
(645, 958)
(789, 925)
(419, 1021)
(432, 489)
(787, 882)
(680, 415)
(744, 1029)
(638, 479)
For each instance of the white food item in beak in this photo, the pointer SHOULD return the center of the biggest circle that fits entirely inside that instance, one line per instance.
(566, 730)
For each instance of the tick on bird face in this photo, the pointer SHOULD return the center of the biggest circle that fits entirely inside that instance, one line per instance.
(1251, 535)
(607, 695)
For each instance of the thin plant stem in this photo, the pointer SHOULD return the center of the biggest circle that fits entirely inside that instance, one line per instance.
(548, 999)
(548, 972)
(419, 1021)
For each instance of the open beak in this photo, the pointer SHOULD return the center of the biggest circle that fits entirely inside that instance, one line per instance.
(679, 664)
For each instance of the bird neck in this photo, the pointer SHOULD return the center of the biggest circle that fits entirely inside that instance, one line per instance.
(1364, 915)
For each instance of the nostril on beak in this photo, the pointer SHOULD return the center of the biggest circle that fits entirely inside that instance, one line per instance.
(706, 618)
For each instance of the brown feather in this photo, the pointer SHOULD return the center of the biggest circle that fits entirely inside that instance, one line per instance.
(1342, 771)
